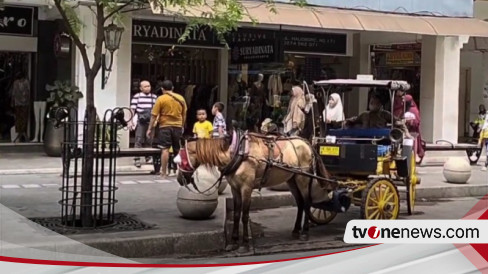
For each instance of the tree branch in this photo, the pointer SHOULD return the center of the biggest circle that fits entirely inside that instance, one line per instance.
(97, 54)
(74, 36)
(118, 9)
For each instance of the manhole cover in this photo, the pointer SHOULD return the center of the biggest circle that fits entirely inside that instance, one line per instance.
(123, 222)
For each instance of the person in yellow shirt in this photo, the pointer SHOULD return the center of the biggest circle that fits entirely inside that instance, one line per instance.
(171, 109)
(202, 128)
(483, 140)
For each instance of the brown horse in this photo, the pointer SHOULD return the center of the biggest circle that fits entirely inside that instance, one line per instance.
(244, 164)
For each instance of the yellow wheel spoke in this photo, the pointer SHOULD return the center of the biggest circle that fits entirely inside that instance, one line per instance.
(389, 197)
(386, 192)
(375, 202)
(374, 214)
(373, 207)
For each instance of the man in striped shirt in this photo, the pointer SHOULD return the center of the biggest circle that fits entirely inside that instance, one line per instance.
(142, 104)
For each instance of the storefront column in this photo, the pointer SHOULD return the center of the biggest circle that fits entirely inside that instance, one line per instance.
(119, 83)
(360, 64)
(223, 78)
(439, 89)
(117, 90)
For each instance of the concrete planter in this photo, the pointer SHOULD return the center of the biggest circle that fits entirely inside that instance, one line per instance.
(196, 206)
(223, 186)
(457, 171)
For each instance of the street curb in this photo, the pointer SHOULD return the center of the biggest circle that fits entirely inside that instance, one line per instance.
(285, 198)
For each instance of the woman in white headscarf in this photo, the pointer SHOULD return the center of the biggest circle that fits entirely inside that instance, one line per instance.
(335, 110)
(295, 118)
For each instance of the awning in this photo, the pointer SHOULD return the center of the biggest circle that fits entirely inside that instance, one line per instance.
(354, 20)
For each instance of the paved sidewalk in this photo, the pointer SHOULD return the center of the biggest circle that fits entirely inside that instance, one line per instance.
(35, 194)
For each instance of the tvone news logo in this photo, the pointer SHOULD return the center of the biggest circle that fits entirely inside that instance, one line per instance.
(373, 232)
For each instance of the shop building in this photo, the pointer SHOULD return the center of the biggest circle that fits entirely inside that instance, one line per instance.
(28, 37)
(202, 60)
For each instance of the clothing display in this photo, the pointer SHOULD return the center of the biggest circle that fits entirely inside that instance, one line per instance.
(238, 89)
(275, 88)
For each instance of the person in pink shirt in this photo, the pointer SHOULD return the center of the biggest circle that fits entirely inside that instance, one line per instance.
(404, 107)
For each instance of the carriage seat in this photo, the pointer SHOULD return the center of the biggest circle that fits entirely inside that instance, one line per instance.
(361, 133)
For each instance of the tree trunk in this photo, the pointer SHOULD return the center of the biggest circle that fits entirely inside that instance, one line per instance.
(86, 213)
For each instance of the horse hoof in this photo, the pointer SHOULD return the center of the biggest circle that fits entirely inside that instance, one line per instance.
(231, 247)
(304, 237)
(295, 235)
(243, 249)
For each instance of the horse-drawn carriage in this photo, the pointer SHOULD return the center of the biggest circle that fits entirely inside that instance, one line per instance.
(369, 163)
(338, 168)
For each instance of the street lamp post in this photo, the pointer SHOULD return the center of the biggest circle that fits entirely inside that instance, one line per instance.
(112, 34)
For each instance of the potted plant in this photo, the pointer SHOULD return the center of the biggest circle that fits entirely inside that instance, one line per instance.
(61, 94)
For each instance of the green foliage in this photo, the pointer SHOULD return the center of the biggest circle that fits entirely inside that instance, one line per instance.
(63, 94)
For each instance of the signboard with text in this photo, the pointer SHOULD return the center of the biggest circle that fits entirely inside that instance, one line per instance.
(325, 43)
(268, 44)
(17, 20)
(168, 33)
(262, 51)
(404, 58)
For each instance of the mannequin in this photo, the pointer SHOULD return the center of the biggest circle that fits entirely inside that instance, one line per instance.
(20, 96)
(238, 87)
(39, 112)
(258, 100)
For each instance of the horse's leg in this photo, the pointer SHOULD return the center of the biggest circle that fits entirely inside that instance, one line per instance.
(307, 204)
(299, 201)
(306, 221)
(246, 205)
(236, 197)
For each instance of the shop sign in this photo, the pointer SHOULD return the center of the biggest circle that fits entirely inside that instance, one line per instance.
(243, 35)
(400, 58)
(160, 32)
(408, 47)
(321, 43)
(262, 51)
(17, 20)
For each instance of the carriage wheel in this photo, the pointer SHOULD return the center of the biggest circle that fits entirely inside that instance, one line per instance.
(473, 155)
(380, 200)
(321, 216)
(411, 184)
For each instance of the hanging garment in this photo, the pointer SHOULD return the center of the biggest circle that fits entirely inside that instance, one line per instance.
(275, 87)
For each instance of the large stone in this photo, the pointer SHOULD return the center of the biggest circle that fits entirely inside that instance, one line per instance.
(196, 206)
(457, 170)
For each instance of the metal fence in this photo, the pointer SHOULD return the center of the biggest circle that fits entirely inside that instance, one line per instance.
(88, 195)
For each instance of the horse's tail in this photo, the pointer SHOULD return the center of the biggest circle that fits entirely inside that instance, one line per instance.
(322, 171)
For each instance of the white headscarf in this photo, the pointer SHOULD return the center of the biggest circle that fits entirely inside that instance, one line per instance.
(335, 112)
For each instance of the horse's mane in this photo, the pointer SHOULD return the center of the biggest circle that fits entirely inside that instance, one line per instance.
(209, 151)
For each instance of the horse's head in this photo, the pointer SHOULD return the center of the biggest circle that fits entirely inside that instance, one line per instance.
(195, 152)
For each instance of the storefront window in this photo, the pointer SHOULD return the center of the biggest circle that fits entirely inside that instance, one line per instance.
(193, 71)
(398, 62)
(269, 85)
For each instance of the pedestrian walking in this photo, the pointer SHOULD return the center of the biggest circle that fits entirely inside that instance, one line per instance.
(171, 109)
(219, 125)
(202, 127)
(141, 106)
